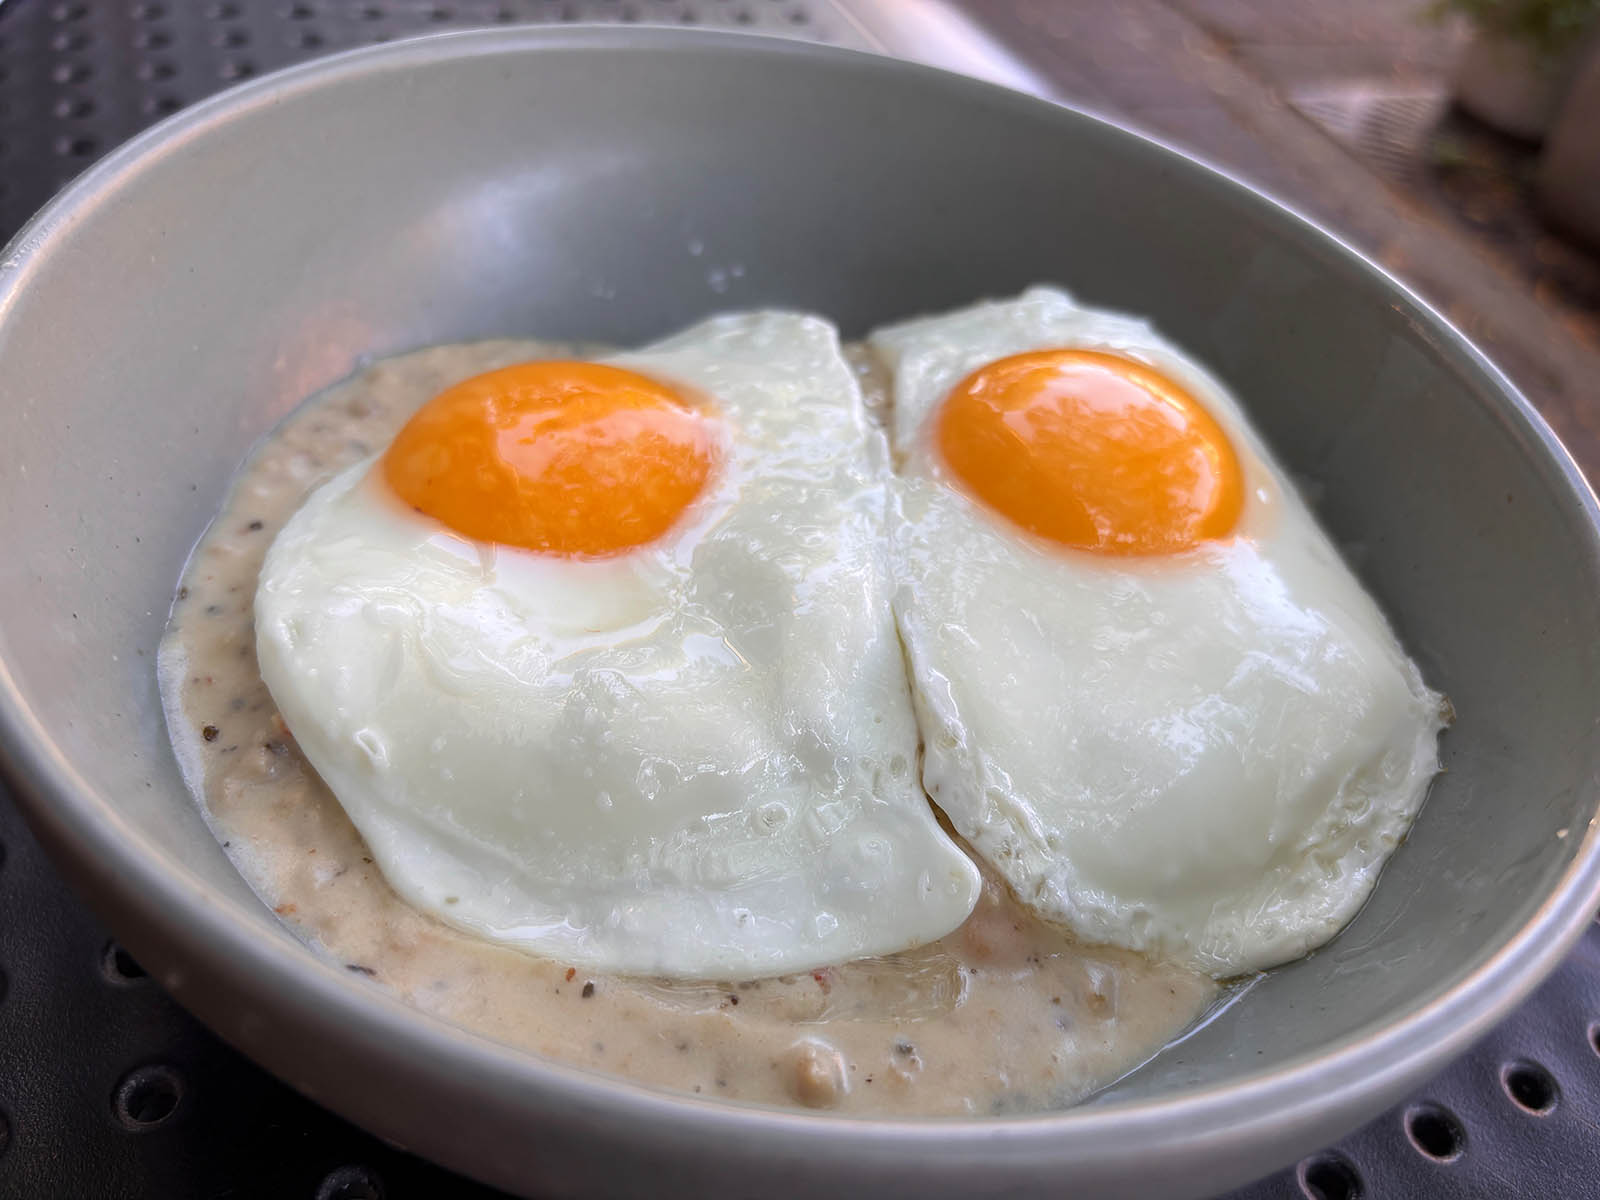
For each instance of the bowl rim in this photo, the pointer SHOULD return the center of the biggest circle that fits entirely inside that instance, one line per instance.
(83, 825)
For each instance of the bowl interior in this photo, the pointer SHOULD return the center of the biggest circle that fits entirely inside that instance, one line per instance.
(175, 307)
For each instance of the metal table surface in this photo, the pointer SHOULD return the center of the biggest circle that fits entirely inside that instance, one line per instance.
(109, 1089)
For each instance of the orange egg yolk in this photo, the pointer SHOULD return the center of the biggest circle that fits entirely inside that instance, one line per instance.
(568, 458)
(1092, 451)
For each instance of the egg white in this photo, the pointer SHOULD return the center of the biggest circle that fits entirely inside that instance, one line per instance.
(1207, 755)
(696, 759)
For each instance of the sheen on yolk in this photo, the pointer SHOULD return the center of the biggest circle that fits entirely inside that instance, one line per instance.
(1092, 451)
(570, 458)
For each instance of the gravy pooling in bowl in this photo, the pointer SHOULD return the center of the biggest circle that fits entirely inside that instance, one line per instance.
(1005, 1014)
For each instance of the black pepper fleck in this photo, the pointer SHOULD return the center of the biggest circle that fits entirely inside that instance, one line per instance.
(254, 526)
(210, 733)
(904, 1048)
(732, 999)
(360, 969)
(183, 593)
(588, 991)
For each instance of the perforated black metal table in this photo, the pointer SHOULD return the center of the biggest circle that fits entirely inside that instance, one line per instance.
(108, 1089)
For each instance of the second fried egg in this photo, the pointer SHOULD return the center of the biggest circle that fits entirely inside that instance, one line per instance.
(1152, 695)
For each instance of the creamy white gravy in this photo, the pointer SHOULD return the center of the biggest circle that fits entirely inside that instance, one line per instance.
(1006, 1014)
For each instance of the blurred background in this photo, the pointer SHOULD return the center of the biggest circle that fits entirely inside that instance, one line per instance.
(1456, 142)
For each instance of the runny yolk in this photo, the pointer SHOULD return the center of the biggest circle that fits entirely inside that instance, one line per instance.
(568, 458)
(1093, 451)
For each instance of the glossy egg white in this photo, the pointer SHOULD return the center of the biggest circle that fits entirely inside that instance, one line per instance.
(696, 759)
(1207, 755)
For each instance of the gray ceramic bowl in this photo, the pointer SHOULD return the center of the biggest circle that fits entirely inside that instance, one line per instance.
(174, 303)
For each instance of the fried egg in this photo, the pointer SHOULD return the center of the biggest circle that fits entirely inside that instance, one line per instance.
(1152, 695)
(600, 659)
